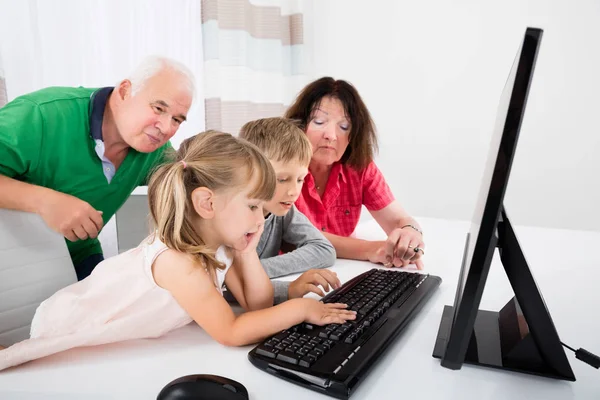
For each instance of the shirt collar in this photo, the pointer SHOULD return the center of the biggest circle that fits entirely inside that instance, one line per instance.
(338, 169)
(97, 106)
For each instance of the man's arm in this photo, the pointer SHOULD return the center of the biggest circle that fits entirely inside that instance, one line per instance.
(21, 132)
(17, 195)
(71, 217)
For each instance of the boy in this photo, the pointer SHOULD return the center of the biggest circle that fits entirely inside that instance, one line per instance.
(289, 152)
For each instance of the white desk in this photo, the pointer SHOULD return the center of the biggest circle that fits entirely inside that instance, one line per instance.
(568, 280)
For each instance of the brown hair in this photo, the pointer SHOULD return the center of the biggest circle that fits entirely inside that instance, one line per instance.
(280, 139)
(363, 137)
(217, 161)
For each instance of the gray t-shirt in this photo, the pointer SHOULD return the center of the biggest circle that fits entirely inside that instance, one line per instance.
(312, 249)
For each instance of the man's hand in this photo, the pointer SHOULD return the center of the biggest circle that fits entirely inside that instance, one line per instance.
(73, 218)
(311, 280)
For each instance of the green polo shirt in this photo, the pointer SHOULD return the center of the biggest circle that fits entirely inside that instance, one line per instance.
(45, 140)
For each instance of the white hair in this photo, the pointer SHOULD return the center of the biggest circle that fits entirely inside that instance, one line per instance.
(152, 65)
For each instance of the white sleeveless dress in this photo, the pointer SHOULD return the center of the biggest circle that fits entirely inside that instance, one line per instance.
(119, 301)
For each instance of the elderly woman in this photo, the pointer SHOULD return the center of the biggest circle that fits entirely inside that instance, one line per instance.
(342, 177)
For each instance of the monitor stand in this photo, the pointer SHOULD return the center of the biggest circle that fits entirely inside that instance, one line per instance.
(508, 339)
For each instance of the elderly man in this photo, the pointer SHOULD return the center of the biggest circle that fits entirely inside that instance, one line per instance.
(74, 155)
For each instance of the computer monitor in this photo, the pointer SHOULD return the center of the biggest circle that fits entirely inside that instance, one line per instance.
(521, 336)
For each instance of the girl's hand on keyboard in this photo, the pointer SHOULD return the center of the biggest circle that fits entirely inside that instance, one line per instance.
(322, 314)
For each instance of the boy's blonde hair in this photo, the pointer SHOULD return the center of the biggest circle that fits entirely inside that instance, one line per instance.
(217, 161)
(279, 138)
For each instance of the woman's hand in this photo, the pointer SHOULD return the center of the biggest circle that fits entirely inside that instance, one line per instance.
(377, 254)
(404, 246)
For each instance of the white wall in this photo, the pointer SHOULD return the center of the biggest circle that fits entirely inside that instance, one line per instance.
(431, 72)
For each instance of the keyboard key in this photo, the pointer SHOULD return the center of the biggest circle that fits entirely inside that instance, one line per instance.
(265, 352)
(364, 310)
(322, 348)
(303, 351)
(350, 339)
(307, 361)
(314, 354)
(288, 357)
(326, 345)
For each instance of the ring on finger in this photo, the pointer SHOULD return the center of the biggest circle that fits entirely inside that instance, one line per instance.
(417, 249)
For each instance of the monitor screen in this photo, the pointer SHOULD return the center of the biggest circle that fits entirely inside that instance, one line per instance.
(484, 189)
(521, 336)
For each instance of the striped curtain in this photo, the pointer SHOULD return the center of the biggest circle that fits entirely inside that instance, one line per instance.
(254, 63)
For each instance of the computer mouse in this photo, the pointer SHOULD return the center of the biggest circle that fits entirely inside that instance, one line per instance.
(203, 387)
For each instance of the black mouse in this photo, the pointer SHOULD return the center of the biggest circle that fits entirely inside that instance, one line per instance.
(203, 387)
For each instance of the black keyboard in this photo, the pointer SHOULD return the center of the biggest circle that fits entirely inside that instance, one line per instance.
(333, 359)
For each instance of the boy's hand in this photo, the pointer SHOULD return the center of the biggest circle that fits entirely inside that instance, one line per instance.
(322, 314)
(311, 280)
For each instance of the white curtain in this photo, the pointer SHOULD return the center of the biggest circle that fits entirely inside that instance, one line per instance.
(3, 96)
(97, 43)
(254, 59)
